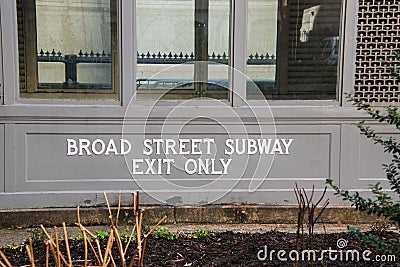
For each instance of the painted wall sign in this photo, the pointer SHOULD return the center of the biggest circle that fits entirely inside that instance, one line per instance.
(153, 147)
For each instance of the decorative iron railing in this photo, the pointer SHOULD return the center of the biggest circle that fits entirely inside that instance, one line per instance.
(71, 62)
(256, 59)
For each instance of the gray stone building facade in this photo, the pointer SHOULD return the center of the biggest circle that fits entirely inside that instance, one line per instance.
(88, 87)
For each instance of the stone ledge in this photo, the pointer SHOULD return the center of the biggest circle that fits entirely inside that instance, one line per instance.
(266, 215)
(23, 218)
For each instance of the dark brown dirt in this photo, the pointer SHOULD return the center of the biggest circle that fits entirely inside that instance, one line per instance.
(224, 249)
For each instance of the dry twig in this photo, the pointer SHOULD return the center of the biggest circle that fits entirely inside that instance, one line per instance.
(103, 259)
(5, 259)
(67, 244)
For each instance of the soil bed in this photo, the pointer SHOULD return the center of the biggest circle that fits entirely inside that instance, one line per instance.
(223, 249)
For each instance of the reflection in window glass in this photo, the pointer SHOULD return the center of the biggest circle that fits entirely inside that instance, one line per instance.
(262, 42)
(172, 35)
(68, 49)
(307, 46)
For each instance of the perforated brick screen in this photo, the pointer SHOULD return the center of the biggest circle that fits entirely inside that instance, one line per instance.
(378, 39)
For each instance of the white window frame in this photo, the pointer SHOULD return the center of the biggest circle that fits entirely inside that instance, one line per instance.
(125, 41)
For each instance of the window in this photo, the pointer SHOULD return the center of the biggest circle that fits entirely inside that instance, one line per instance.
(292, 47)
(183, 49)
(295, 57)
(68, 49)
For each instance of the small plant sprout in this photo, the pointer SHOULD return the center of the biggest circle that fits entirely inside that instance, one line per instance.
(201, 233)
(126, 234)
(78, 235)
(12, 246)
(162, 232)
(380, 226)
(36, 234)
(101, 235)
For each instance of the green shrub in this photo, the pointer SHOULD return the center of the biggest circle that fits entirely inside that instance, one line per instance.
(390, 246)
(382, 203)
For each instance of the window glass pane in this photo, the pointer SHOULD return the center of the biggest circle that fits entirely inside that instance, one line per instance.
(261, 45)
(172, 35)
(68, 49)
(305, 36)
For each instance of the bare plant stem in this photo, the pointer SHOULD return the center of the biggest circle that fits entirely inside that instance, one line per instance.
(67, 244)
(155, 226)
(112, 259)
(119, 246)
(108, 249)
(109, 209)
(84, 238)
(47, 253)
(52, 243)
(119, 209)
(130, 239)
(300, 219)
(5, 259)
(306, 206)
(94, 251)
(143, 250)
(96, 240)
(53, 252)
(28, 251)
(31, 255)
(57, 245)
(85, 242)
(133, 258)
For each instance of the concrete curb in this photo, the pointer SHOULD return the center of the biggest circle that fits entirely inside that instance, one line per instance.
(24, 218)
